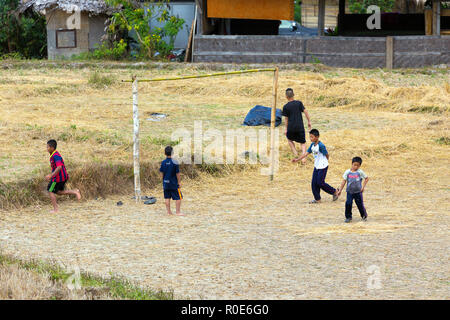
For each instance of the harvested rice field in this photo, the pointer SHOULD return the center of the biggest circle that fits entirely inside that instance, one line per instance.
(243, 237)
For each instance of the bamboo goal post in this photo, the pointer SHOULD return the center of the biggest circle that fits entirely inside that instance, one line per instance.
(134, 80)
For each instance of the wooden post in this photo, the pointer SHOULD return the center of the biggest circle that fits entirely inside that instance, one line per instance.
(272, 123)
(389, 53)
(190, 47)
(137, 178)
(321, 22)
(200, 16)
(428, 22)
(436, 17)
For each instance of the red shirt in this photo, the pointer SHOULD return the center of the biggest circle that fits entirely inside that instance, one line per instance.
(57, 161)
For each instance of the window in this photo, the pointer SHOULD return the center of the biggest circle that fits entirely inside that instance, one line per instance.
(66, 39)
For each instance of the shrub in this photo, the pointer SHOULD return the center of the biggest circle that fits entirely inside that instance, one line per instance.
(360, 6)
(99, 81)
(118, 51)
(131, 24)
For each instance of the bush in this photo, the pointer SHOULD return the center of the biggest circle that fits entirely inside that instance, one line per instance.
(131, 25)
(11, 56)
(118, 51)
(99, 81)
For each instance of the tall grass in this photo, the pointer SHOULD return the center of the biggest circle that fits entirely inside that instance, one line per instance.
(99, 180)
(100, 81)
(33, 279)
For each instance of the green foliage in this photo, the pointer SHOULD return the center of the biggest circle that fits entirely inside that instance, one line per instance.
(117, 51)
(114, 286)
(11, 56)
(315, 60)
(25, 35)
(133, 20)
(298, 11)
(163, 142)
(360, 6)
(426, 109)
(443, 140)
(100, 81)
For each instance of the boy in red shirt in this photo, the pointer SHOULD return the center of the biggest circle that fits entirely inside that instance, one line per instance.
(58, 178)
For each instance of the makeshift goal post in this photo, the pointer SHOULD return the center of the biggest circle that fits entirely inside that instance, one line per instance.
(135, 81)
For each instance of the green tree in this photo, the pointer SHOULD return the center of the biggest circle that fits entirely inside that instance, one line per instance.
(25, 34)
(8, 26)
(134, 20)
(360, 6)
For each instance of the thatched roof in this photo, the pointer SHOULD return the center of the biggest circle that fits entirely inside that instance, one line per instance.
(91, 6)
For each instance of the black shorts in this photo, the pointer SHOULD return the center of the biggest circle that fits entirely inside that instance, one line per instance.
(296, 136)
(56, 186)
(174, 194)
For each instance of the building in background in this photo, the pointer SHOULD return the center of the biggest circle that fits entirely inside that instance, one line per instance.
(310, 11)
(245, 31)
(73, 26)
(182, 9)
(242, 17)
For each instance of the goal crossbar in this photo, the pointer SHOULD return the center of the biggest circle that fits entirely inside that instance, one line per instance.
(205, 75)
(135, 80)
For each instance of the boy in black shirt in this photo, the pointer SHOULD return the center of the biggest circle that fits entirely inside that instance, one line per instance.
(170, 173)
(295, 130)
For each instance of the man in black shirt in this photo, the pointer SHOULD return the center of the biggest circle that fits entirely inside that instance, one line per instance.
(295, 130)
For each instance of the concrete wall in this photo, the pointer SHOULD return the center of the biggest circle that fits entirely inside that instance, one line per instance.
(59, 19)
(356, 52)
(96, 30)
(421, 51)
(88, 32)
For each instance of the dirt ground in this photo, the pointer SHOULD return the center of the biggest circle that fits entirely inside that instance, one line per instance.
(258, 241)
(244, 237)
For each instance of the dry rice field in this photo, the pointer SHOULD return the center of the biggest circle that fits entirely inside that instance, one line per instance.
(243, 237)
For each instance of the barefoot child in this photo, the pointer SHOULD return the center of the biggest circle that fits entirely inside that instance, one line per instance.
(295, 130)
(170, 173)
(317, 148)
(355, 188)
(58, 178)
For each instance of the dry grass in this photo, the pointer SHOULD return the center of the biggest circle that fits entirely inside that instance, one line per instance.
(98, 180)
(31, 279)
(243, 237)
(17, 283)
(94, 125)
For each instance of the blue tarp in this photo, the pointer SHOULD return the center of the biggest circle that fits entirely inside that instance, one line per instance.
(260, 115)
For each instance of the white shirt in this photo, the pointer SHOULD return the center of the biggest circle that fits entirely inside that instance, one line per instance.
(319, 152)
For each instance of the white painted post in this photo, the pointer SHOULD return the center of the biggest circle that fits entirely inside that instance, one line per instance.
(272, 123)
(137, 178)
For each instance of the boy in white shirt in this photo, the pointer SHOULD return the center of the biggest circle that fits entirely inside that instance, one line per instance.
(355, 187)
(318, 149)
